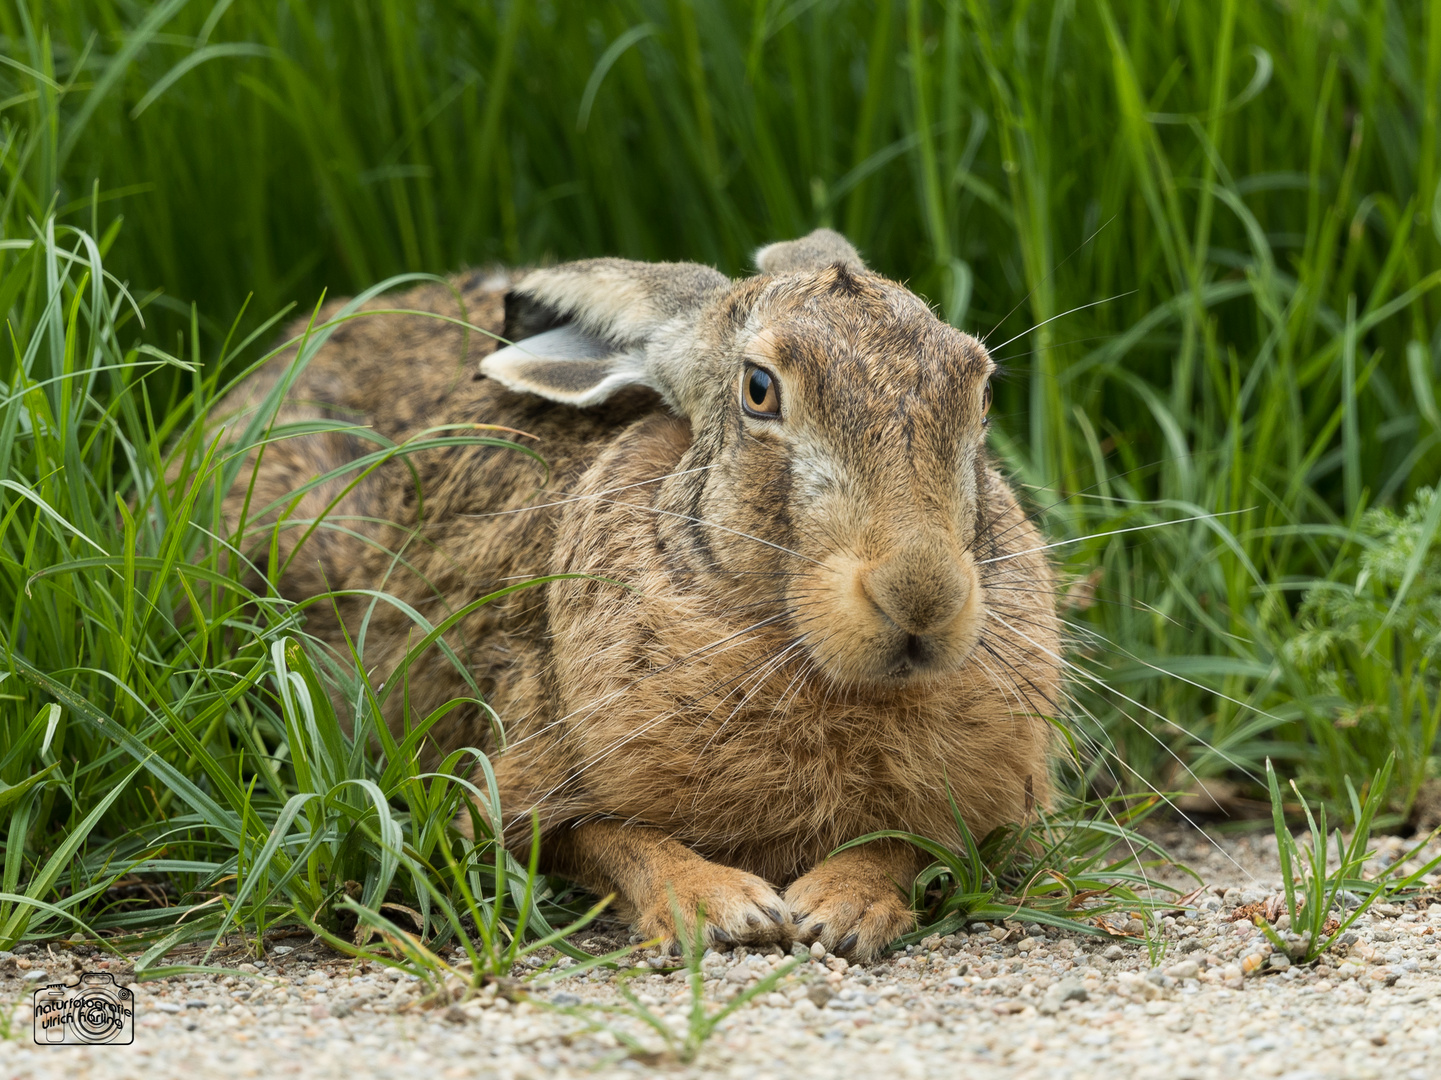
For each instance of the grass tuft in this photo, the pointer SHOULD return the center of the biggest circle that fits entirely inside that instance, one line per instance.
(1070, 870)
(1322, 900)
(678, 1042)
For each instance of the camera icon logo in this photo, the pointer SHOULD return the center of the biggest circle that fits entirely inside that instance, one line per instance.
(94, 1010)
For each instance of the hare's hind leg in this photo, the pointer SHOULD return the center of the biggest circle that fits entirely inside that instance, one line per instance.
(654, 876)
(858, 902)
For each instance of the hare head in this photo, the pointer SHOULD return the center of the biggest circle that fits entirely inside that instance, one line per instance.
(836, 478)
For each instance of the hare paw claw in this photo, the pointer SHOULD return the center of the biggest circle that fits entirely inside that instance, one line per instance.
(856, 918)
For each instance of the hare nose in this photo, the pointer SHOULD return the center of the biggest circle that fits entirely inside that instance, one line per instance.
(921, 592)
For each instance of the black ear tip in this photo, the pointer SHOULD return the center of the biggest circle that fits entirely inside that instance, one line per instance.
(525, 316)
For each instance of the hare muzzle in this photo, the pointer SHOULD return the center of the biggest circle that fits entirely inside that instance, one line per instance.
(911, 615)
(920, 594)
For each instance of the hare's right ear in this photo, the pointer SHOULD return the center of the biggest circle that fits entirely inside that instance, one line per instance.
(580, 331)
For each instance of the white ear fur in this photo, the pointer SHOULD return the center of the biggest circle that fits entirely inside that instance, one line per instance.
(815, 251)
(603, 296)
(610, 311)
(566, 365)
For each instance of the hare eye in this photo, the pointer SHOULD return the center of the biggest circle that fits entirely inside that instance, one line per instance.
(760, 393)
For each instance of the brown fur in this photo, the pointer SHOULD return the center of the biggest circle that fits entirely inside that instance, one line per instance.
(800, 629)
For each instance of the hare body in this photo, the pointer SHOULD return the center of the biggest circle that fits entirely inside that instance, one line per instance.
(813, 603)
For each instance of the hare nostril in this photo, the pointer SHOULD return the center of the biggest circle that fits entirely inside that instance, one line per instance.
(917, 649)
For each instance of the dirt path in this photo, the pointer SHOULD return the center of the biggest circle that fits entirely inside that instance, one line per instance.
(1006, 1001)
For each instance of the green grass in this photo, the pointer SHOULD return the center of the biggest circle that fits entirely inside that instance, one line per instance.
(679, 1042)
(1322, 901)
(1367, 643)
(1204, 239)
(1072, 870)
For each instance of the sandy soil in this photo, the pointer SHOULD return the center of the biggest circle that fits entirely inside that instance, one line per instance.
(998, 1001)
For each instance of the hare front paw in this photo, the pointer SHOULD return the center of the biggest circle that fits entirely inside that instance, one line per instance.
(852, 915)
(738, 908)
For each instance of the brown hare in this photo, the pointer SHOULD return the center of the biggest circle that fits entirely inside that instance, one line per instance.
(812, 604)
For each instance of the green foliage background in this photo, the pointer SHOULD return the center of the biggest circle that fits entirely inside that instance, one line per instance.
(1202, 237)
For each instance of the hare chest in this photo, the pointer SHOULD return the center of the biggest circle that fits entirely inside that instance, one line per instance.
(770, 790)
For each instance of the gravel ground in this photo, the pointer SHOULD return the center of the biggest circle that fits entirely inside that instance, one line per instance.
(999, 1001)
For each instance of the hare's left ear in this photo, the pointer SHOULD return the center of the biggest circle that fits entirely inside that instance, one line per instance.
(580, 330)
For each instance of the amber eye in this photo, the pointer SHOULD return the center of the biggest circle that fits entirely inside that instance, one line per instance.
(760, 393)
(986, 404)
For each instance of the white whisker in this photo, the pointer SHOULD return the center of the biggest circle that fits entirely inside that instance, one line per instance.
(1113, 532)
(1062, 315)
(593, 495)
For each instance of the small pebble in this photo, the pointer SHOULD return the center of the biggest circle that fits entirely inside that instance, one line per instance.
(819, 994)
(1069, 990)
